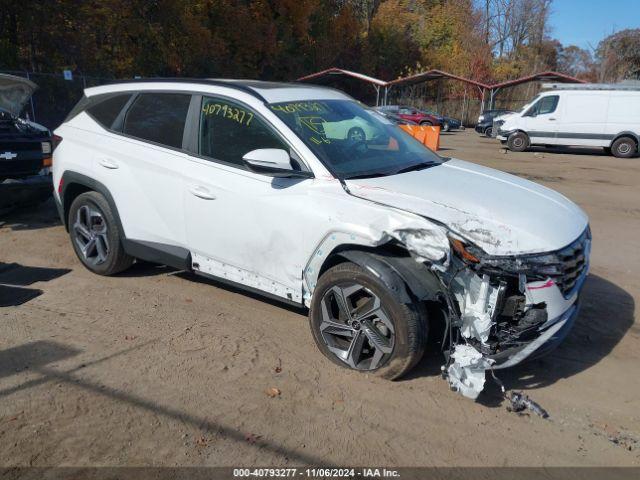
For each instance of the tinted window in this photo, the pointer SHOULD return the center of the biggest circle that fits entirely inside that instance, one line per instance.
(228, 131)
(106, 110)
(158, 117)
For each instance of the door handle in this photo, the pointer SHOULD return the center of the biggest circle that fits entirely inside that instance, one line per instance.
(552, 119)
(106, 163)
(202, 192)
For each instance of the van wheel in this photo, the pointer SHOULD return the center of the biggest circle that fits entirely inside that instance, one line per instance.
(624, 147)
(95, 235)
(518, 142)
(359, 323)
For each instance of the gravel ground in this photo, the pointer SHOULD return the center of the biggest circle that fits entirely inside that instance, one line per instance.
(154, 367)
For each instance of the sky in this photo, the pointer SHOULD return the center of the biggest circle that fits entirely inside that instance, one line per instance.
(584, 22)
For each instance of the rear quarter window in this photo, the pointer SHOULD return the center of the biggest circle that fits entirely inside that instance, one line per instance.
(107, 109)
(158, 117)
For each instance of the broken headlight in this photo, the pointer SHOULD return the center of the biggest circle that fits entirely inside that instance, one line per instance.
(531, 265)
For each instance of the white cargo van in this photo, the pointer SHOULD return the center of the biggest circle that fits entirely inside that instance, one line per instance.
(594, 115)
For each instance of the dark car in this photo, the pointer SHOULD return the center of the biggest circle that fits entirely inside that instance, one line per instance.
(25, 148)
(448, 123)
(485, 121)
(413, 114)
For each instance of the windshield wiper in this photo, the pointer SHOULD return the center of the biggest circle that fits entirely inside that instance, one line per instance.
(418, 166)
(368, 175)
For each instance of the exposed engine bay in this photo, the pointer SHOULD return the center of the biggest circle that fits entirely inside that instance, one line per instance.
(503, 311)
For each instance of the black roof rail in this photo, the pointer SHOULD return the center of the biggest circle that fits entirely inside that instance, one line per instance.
(205, 81)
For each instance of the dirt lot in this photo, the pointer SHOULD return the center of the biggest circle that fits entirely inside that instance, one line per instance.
(157, 368)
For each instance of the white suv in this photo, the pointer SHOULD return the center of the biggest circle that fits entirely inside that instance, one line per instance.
(250, 183)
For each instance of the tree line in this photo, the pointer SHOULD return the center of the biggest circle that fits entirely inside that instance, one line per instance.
(487, 40)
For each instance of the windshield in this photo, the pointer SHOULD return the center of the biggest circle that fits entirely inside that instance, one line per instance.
(354, 141)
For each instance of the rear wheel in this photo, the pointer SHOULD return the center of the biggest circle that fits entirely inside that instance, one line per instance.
(446, 127)
(624, 147)
(426, 123)
(518, 142)
(95, 235)
(359, 323)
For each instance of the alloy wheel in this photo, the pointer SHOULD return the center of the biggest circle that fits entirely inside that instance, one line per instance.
(355, 326)
(90, 235)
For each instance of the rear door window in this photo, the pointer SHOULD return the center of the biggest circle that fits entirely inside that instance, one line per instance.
(158, 117)
(106, 110)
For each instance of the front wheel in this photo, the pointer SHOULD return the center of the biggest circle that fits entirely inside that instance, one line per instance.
(446, 127)
(426, 123)
(489, 132)
(518, 142)
(95, 235)
(359, 323)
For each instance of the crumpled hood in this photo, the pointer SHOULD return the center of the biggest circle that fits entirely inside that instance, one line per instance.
(501, 213)
(15, 92)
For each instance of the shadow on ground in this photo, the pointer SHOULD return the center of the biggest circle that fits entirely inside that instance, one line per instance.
(37, 357)
(14, 277)
(33, 217)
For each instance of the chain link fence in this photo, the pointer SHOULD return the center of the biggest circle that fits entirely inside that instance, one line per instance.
(55, 96)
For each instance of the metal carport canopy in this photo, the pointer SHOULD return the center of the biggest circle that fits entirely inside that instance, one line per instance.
(375, 82)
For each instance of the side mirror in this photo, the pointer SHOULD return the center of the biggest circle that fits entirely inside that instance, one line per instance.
(273, 162)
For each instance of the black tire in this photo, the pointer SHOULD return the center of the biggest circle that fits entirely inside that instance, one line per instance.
(410, 326)
(488, 132)
(426, 123)
(356, 134)
(446, 127)
(624, 147)
(518, 142)
(92, 211)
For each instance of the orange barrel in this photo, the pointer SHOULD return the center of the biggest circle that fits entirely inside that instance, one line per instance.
(429, 136)
(432, 137)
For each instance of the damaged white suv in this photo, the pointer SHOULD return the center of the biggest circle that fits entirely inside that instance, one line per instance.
(278, 188)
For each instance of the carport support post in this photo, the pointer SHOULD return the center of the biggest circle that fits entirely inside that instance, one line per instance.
(377, 95)
(492, 101)
(386, 92)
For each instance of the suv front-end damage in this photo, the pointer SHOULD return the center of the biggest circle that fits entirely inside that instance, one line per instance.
(503, 310)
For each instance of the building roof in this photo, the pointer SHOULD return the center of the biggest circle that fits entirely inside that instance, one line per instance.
(549, 76)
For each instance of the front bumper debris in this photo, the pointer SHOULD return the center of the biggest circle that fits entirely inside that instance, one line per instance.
(498, 319)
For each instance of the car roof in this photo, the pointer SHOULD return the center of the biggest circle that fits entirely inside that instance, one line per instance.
(268, 92)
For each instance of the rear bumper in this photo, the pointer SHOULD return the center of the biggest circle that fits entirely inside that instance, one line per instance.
(23, 191)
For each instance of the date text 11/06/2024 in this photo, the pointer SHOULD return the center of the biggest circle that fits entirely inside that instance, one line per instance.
(316, 472)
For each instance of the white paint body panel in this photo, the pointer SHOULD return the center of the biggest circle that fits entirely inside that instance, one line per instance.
(501, 213)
